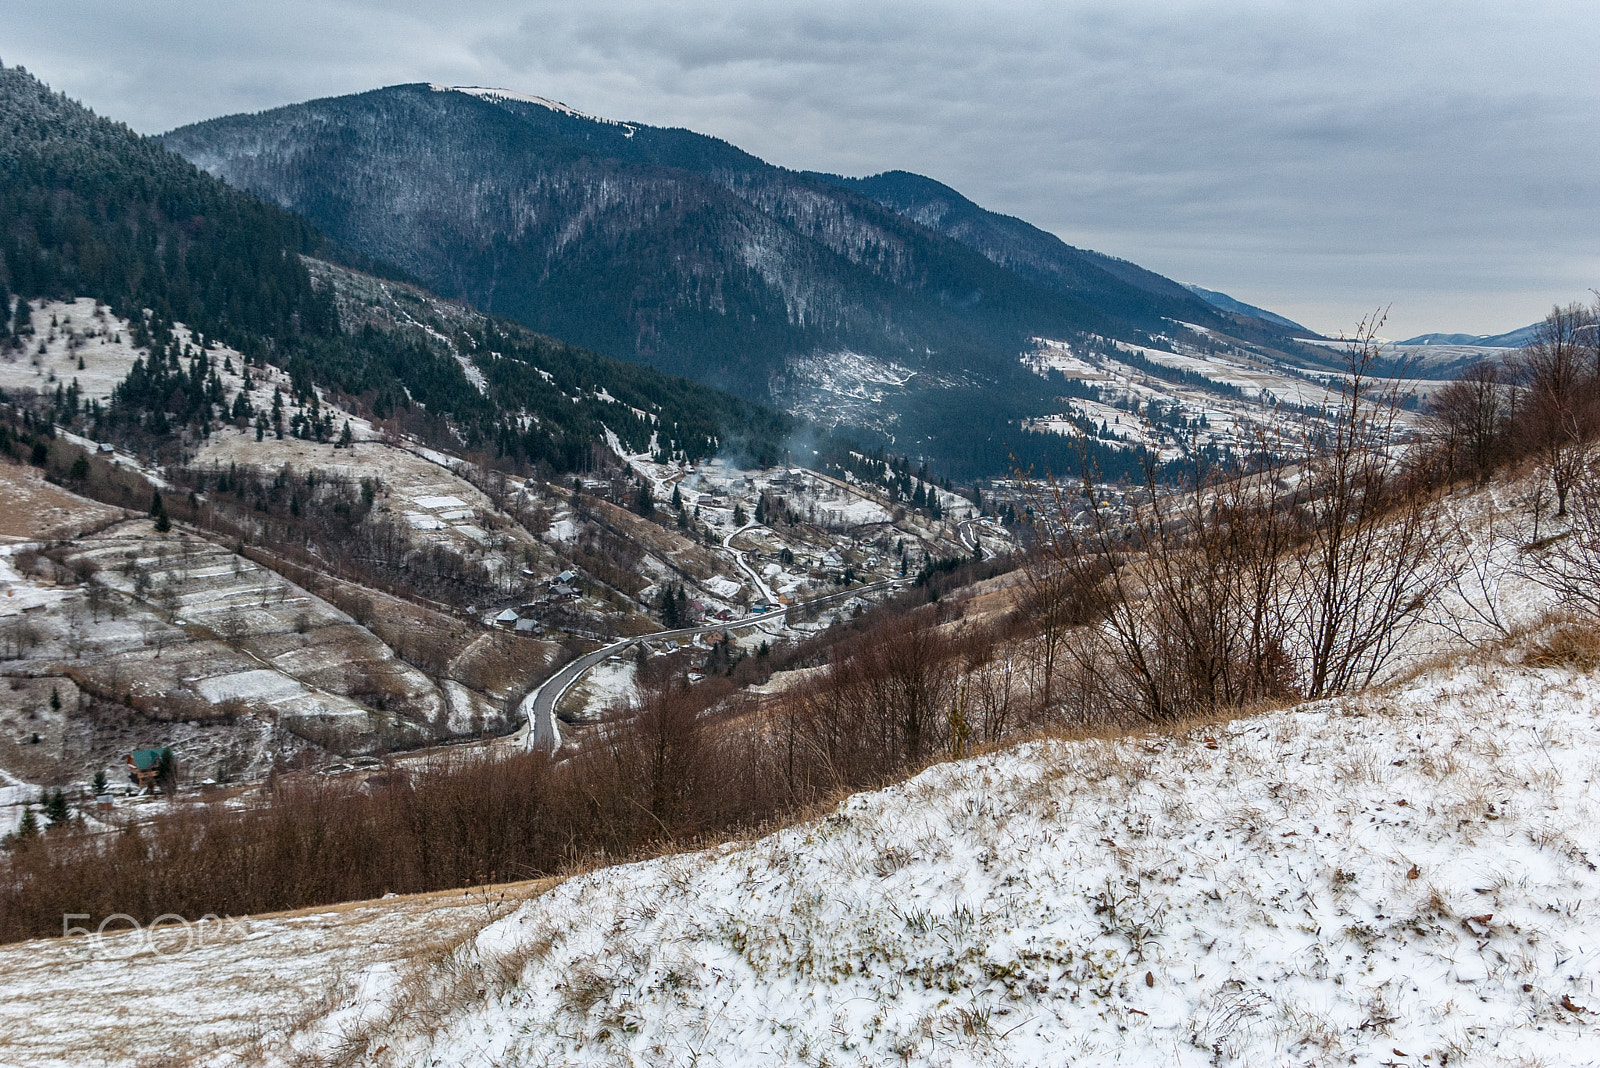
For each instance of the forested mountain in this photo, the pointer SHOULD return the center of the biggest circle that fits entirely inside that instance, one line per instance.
(1227, 303)
(849, 302)
(1116, 285)
(88, 208)
(659, 245)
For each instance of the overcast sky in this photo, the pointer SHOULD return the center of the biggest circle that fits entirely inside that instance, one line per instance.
(1318, 159)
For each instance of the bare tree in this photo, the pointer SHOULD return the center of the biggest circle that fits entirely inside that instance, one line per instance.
(1184, 588)
(1255, 581)
(1559, 413)
(1369, 566)
(96, 594)
(1569, 566)
(1470, 415)
(1061, 585)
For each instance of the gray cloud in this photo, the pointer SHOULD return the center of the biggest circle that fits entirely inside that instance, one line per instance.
(1320, 160)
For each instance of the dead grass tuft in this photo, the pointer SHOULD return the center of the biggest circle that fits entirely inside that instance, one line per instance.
(1571, 644)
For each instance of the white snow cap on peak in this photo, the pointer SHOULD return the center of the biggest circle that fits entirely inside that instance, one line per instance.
(486, 93)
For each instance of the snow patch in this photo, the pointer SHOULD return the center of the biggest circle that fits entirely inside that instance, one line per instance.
(486, 93)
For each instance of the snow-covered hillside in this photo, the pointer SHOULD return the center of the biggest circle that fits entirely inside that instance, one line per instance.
(1403, 878)
(1408, 878)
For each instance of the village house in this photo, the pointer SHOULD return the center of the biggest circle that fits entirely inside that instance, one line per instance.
(145, 766)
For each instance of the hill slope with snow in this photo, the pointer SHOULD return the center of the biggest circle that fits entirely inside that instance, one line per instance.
(1408, 877)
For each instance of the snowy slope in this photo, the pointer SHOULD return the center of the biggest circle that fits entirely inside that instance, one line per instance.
(219, 992)
(1403, 878)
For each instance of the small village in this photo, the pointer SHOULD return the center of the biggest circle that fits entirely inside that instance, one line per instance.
(177, 643)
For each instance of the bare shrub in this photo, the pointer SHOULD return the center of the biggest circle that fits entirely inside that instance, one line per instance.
(1251, 583)
(1560, 413)
(1373, 542)
(1568, 563)
(1471, 416)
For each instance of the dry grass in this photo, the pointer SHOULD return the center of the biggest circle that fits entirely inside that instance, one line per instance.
(282, 971)
(37, 510)
(1570, 643)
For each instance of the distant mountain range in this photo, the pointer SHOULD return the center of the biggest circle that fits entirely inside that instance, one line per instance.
(888, 304)
(1239, 307)
(1513, 339)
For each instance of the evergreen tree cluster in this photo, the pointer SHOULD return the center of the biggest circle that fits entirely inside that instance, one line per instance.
(90, 208)
(674, 606)
(27, 438)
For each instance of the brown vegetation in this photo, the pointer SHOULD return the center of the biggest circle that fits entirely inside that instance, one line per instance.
(1544, 404)
(1284, 579)
(686, 766)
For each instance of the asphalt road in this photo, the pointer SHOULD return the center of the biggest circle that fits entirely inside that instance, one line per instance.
(541, 731)
(738, 558)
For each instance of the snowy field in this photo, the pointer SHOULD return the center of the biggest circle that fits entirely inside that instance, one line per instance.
(101, 341)
(1256, 384)
(219, 992)
(1407, 878)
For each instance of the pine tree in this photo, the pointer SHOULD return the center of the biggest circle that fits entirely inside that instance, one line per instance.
(100, 781)
(55, 699)
(167, 772)
(158, 511)
(345, 437)
(29, 826)
(56, 809)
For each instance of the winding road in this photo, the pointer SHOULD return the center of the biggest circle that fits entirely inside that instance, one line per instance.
(738, 557)
(540, 729)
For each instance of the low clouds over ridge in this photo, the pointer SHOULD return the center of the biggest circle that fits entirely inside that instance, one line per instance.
(1316, 161)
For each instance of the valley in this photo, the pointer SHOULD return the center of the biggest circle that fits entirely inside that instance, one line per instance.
(245, 652)
(484, 583)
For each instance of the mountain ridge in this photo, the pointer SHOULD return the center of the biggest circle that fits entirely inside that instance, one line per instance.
(91, 209)
(1511, 339)
(1233, 304)
(684, 252)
